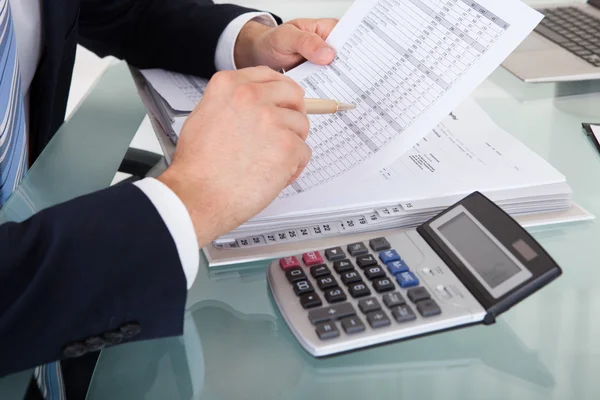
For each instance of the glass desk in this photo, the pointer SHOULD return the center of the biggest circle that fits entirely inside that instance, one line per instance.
(236, 345)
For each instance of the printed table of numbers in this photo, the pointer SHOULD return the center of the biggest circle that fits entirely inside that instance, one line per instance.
(402, 57)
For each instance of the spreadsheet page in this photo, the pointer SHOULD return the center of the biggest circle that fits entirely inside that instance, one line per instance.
(405, 64)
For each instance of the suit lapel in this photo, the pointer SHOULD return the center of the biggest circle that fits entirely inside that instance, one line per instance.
(50, 87)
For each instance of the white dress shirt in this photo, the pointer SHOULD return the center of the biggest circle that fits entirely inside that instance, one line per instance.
(27, 22)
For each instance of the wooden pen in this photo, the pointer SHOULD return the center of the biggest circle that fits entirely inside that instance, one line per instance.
(325, 106)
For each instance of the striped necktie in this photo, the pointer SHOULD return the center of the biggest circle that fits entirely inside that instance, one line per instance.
(13, 158)
(13, 140)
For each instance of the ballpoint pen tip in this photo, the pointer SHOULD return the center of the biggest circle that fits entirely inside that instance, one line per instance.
(345, 107)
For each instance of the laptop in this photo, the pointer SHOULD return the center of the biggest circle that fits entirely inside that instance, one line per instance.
(564, 47)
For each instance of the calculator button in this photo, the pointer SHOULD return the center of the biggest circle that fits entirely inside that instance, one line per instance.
(335, 254)
(378, 319)
(393, 299)
(397, 267)
(357, 249)
(319, 270)
(335, 295)
(350, 277)
(312, 258)
(389, 256)
(403, 313)
(288, 262)
(301, 287)
(342, 266)
(368, 305)
(374, 272)
(327, 330)
(359, 289)
(382, 285)
(310, 300)
(407, 279)
(332, 312)
(353, 325)
(366, 261)
(295, 274)
(326, 282)
(428, 308)
(379, 244)
(441, 289)
(418, 294)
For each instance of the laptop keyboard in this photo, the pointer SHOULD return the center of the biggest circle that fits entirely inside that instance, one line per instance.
(574, 30)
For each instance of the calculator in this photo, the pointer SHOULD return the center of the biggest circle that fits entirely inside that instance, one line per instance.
(466, 266)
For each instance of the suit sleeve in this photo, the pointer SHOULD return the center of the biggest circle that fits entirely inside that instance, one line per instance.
(179, 35)
(94, 271)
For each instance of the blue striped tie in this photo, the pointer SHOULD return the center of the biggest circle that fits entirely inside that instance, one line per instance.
(13, 158)
(13, 140)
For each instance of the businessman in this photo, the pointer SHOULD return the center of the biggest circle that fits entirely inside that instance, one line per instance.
(113, 266)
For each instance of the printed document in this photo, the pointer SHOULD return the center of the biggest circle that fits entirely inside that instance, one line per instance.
(405, 64)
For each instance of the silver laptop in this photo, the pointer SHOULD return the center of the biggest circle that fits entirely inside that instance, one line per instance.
(564, 47)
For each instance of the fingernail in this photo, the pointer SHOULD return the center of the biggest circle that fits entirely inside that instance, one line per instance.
(325, 54)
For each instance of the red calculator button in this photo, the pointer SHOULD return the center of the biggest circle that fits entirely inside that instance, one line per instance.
(289, 262)
(312, 258)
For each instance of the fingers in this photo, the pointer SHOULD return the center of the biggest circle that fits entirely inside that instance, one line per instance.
(304, 154)
(294, 121)
(259, 75)
(284, 95)
(309, 45)
(321, 27)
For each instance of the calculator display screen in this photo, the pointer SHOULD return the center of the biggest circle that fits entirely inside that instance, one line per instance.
(477, 248)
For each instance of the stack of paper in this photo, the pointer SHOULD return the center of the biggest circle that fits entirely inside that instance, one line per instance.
(413, 145)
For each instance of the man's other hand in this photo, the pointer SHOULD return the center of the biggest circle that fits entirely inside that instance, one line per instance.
(285, 46)
(242, 145)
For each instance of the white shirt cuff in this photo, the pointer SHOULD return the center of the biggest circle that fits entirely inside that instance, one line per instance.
(224, 57)
(179, 223)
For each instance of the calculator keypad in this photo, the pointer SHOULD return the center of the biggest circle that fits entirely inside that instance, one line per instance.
(376, 286)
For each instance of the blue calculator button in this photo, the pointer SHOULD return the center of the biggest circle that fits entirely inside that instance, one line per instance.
(407, 279)
(389, 256)
(397, 267)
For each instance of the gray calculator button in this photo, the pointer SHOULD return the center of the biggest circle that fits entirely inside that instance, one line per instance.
(295, 274)
(332, 312)
(327, 330)
(353, 325)
(374, 272)
(378, 319)
(403, 313)
(379, 244)
(319, 270)
(393, 299)
(368, 305)
(357, 249)
(310, 300)
(350, 277)
(417, 294)
(366, 261)
(335, 254)
(326, 282)
(428, 308)
(301, 287)
(343, 266)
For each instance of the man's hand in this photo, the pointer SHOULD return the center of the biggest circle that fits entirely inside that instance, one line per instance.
(242, 145)
(284, 46)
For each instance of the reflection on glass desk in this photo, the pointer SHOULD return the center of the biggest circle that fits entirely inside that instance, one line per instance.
(236, 345)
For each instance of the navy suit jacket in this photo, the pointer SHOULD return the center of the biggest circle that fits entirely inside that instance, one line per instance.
(101, 269)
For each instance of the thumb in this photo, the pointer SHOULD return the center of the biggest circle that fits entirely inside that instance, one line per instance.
(312, 47)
